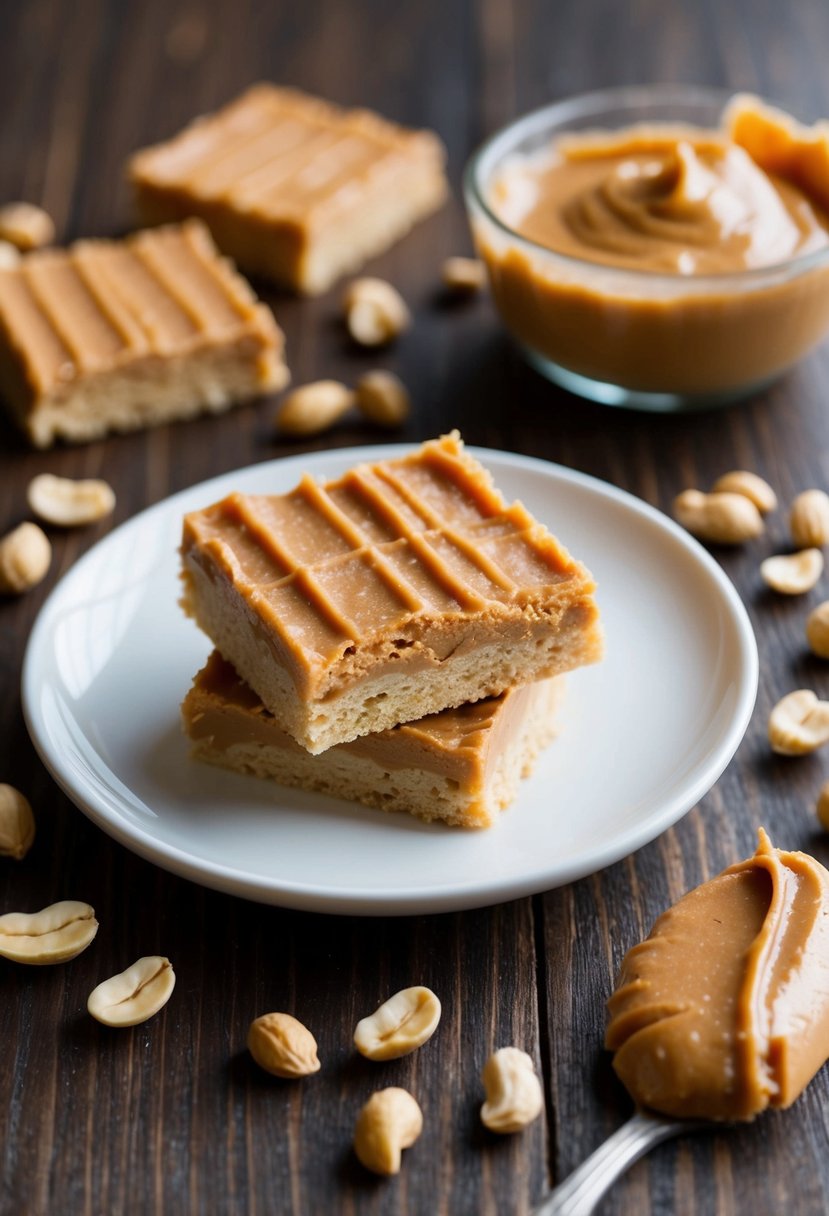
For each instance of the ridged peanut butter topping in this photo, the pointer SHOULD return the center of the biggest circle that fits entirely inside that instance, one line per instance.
(278, 154)
(100, 305)
(456, 743)
(724, 1010)
(334, 566)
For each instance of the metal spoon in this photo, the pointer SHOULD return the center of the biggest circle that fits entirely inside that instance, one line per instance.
(579, 1194)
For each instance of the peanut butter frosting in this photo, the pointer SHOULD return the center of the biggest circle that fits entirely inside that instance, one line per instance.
(101, 305)
(344, 574)
(723, 1011)
(278, 154)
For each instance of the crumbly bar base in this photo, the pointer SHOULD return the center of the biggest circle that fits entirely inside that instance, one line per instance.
(427, 795)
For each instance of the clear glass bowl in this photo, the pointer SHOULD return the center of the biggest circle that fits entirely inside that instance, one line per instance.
(719, 337)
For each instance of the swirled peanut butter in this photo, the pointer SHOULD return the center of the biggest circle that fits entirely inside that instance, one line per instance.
(658, 226)
(723, 1010)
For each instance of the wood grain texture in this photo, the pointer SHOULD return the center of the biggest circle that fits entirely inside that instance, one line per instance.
(173, 1116)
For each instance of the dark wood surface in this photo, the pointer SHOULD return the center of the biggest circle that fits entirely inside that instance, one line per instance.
(173, 1117)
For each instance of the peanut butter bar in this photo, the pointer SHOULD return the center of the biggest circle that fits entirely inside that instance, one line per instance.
(295, 189)
(462, 765)
(117, 335)
(401, 589)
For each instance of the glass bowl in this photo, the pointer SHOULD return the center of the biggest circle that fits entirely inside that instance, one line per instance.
(598, 329)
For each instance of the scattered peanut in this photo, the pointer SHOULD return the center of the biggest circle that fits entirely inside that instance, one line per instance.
(283, 1046)
(17, 823)
(724, 519)
(67, 503)
(26, 226)
(809, 519)
(314, 407)
(375, 312)
(402, 1024)
(133, 995)
(513, 1091)
(54, 935)
(823, 806)
(750, 486)
(799, 724)
(25, 556)
(793, 573)
(383, 398)
(390, 1121)
(463, 276)
(817, 630)
(9, 255)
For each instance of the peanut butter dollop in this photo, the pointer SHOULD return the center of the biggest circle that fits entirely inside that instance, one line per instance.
(723, 1010)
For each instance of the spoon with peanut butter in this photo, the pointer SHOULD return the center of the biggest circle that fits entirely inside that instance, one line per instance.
(721, 1013)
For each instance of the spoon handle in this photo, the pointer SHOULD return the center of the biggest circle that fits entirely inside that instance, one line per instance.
(579, 1194)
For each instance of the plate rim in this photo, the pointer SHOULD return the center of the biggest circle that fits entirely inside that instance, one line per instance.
(459, 895)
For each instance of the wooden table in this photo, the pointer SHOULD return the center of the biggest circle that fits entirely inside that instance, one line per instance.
(173, 1116)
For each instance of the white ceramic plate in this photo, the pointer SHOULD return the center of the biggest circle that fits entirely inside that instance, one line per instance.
(643, 735)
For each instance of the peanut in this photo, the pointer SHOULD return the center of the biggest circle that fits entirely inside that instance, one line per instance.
(513, 1091)
(817, 630)
(390, 1121)
(823, 806)
(799, 724)
(463, 276)
(809, 519)
(723, 519)
(67, 503)
(314, 407)
(54, 935)
(793, 573)
(750, 486)
(402, 1024)
(133, 995)
(25, 557)
(26, 226)
(375, 312)
(9, 255)
(283, 1046)
(17, 823)
(383, 398)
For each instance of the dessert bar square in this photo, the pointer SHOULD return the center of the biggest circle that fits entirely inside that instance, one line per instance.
(116, 335)
(295, 189)
(400, 589)
(462, 765)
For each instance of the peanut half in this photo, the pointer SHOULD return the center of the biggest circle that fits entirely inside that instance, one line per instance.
(513, 1091)
(25, 557)
(26, 226)
(54, 935)
(750, 486)
(314, 407)
(809, 519)
(723, 519)
(817, 630)
(390, 1121)
(133, 995)
(402, 1024)
(282, 1046)
(17, 823)
(793, 573)
(67, 503)
(799, 724)
(463, 276)
(9, 255)
(375, 312)
(383, 398)
(823, 806)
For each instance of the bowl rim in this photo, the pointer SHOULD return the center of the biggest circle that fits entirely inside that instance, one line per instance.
(498, 145)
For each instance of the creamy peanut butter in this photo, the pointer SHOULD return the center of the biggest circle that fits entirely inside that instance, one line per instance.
(657, 231)
(723, 1010)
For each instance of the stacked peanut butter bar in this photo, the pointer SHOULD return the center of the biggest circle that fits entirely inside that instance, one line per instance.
(394, 636)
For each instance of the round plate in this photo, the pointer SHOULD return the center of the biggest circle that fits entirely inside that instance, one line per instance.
(643, 735)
